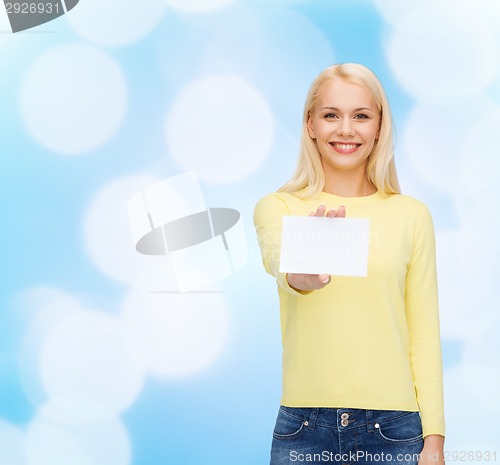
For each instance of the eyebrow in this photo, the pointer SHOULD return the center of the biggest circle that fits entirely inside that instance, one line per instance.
(356, 109)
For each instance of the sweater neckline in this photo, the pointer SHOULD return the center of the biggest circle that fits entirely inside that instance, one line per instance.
(364, 198)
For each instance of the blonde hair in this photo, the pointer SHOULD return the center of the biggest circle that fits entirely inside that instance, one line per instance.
(380, 169)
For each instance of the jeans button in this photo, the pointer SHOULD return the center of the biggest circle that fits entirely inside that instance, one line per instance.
(344, 422)
(344, 416)
(306, 423)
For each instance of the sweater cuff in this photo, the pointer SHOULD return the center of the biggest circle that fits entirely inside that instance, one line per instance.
(430, 401)
(283, 283)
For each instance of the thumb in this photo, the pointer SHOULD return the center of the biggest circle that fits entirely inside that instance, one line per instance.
(324, 278)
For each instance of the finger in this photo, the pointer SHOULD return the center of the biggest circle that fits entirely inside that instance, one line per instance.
(331, 214)
(341, 212)
(324, 278)
(320, 210)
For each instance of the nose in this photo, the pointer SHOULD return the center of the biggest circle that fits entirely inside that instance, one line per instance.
(345, 128)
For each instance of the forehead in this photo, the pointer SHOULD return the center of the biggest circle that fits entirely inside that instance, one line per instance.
(338, 93)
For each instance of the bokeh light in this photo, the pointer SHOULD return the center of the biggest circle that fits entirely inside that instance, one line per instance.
(236, 30)
(221, 127)
(198, 6)
(84, 362)
(393, 10)
(455, 54)
(107, 232)
(48, 443)
(42, 308)
(11, 445)
(115, 22)
(175, 335)
(461, 408)
(478, 251)
(296, 51)
(73, 98)
(479, 162)
(434, 136)
(480, 358)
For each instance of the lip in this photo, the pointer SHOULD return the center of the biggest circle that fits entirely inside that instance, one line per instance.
(345, 147)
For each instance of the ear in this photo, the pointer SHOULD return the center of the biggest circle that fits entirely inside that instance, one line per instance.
(310, 127)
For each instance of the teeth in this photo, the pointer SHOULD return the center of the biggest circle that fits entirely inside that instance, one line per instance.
(346, 146)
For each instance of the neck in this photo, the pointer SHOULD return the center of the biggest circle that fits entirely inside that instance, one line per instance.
(348, 184)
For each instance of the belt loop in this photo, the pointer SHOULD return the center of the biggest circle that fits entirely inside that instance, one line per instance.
(313, 417)
(369, 421)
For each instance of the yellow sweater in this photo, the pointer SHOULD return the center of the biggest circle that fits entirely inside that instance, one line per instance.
(363, 342)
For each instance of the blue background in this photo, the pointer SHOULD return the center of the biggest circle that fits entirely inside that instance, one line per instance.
(445, 96)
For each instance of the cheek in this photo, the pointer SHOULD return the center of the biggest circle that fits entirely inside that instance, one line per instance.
(372, 134)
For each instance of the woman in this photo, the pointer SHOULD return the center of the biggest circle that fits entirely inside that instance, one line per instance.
(362, 373)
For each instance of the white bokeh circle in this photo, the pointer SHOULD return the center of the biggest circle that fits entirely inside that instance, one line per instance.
(479, 160)
(434, 135)
(221, 127)
(49, 444)
(449, 275)
(73, 98)
(461, 409)
(480, 226)
(482, 358)
(175, 335)
(107, 442)
(489, 10)
(12, 450)
(115, 22)
(459, 302)
(442, 50)
(287, 67)
(479, 248)
(108, 238)
(85, 365)
(458, 307)
(480, 265)
(478, 251)
(198, 6)
(104, 443)
(393, 10)
(237, 30)
(43, 308)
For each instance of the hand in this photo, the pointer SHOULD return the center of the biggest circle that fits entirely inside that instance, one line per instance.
(311, 282)
(433, 450)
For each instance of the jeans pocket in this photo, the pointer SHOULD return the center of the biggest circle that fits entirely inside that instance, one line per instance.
(288, 425)
(405, 428)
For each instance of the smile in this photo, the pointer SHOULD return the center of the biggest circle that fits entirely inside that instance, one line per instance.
(344, 148)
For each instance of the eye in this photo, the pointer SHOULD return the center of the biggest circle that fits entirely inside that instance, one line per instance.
(362, 116)
(330, 116)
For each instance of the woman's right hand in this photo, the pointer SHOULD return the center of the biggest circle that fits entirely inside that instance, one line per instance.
(311, 282)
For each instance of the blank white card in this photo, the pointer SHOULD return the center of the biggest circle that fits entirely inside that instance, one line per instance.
(316, 245)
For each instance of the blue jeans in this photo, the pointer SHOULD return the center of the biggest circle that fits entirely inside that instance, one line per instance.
(346, 436)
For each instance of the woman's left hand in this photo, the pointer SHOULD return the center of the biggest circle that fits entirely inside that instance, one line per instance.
(433, 451)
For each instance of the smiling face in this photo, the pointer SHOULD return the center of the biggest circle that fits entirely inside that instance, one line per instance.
(345, 124)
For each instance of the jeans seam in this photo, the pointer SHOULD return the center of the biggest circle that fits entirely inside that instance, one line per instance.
(295, 417)
(407, 441)
(388, 420)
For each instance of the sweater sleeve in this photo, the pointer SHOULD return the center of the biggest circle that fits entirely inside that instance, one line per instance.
(268, 218)
(421, 304)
